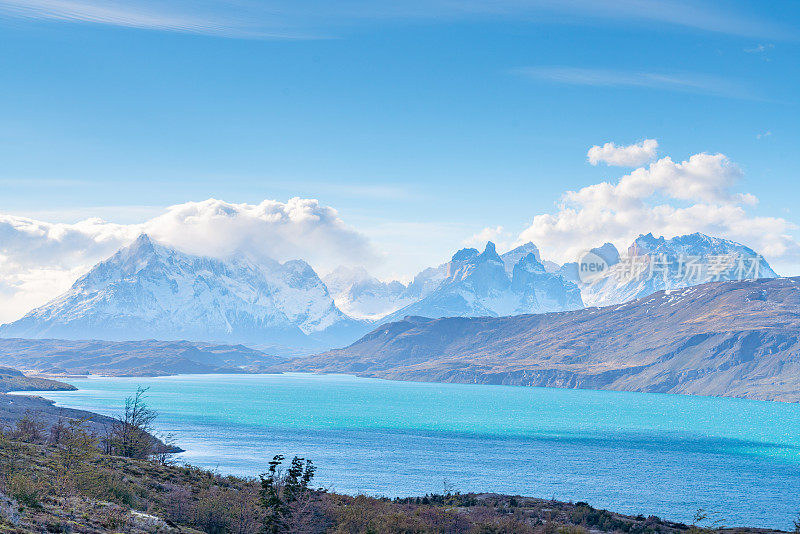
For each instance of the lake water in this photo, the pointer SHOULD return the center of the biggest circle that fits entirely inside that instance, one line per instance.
(664, 455)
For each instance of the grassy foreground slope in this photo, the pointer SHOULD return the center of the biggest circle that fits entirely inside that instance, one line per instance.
(68, 486)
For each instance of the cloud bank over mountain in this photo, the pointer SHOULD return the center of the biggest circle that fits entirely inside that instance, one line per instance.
(40, 259)
(298, 228)
(667, 198)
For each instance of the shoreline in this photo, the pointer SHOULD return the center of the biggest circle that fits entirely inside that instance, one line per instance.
(307, 378)
(414, 380)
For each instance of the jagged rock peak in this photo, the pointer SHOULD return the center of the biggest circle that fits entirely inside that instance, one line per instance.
(530, 263)
(490, 253)
(465, 254)
(608, 252)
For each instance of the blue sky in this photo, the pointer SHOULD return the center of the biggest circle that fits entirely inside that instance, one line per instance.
(422, 123)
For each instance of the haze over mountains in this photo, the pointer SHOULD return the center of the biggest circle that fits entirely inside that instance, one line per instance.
(150, 291)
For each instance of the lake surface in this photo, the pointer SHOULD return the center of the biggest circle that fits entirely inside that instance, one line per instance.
(664, 455)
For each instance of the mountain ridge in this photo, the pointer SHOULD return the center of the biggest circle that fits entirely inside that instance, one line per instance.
(147, 290)
(732, 338)
(477, 283)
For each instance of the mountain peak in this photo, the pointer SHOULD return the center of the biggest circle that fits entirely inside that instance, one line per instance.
(490, 253)
(608, 252)
(513, 256)
(645, 243)
(141, 243)
(526, 248)
(530, 264)
(140, 251)
(146, 290)
(465, 254)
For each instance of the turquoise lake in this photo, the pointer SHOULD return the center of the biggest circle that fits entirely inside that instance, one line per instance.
(664, 455)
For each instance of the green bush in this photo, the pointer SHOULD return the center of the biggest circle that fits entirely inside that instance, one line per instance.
(24, 489)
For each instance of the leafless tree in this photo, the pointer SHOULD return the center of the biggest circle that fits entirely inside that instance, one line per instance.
(30, 429)
(131, 433)
(164, 449)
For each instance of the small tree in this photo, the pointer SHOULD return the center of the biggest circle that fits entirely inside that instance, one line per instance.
(797, 524)
(29, 429)
(164, 450)
(75, 449)
(57, 432)
(271, 496)
(287, 497)
(130, 434)
(705, 523)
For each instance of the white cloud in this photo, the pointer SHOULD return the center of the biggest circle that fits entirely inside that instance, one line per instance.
(766, 134)
(38, 259)
(498, 235)
(623, 156)
(299, 228)
(294, 19)
(759, 49)
(666, 198)
(596, 77)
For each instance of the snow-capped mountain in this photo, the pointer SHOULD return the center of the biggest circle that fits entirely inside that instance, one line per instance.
(513, 256)
(149, 291)
(426, 282)
(477, 284)
(360, 295)
(652, 264)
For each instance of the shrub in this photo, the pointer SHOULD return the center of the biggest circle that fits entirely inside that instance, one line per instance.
(287, 497)
(29, 429)
(211, 512)
(24, 489)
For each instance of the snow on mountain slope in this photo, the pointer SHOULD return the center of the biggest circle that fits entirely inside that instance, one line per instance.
(652, 264)
(148, 291)
(478, 284)
(360, 295)
(512, 257)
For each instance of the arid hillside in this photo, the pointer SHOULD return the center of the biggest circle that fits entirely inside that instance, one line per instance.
(737, 339)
